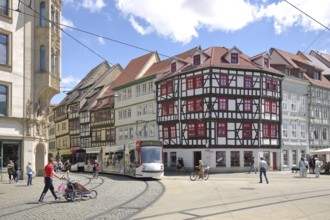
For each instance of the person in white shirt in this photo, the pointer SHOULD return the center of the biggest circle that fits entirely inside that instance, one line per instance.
(263, 167)
(317, 167)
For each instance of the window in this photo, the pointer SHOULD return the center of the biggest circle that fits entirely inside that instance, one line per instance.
(266, 62)
(4, 7)
(285, 102)
(247, 130)
(248, 82)
(195, 105)
(271, 85)
(293, 103)
(197, 129)
(234, 159)
(173, 159)
(3, 100)
(223, 80)
(42, 20)
(316, 75)
(167, 109)
(270, 130)
(285, 157)
(220, 158)
(195, 82)
(285, 129)
(270, 106)
(324, 134)
(303, 131)
(173, 67)
(197, 59)
(234, 58)
(4, 49)
(137, 91)
(152, 129)
(294, 157)
(247, 105)
(316, 133)
(223, 104)
(248, 157)
(42, 61)
(222, 129)
(325, 113)
(169, 132)
(166, 88)
(294, 130)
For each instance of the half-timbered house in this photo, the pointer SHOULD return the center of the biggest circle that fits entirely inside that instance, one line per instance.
(219, 106)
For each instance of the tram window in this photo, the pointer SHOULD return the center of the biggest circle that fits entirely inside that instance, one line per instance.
(151, 155)
(131, 156)
(138, 157)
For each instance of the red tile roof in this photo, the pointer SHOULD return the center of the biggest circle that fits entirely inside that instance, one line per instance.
(132, 69)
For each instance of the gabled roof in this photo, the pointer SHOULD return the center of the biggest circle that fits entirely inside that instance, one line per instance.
(290, 57)
(133, 69)
(316, 62)
(216, 58)
(323, 82)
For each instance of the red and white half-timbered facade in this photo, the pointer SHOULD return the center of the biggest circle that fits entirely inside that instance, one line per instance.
(220, 107)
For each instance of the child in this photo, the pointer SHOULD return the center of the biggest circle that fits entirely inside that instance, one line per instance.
(96, 168)
(29, 173)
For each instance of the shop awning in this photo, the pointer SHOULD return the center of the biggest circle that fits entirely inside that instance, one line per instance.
(322, 151)
(65, 152)
(93, 150)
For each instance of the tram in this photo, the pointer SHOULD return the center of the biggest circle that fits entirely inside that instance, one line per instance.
(140, 159)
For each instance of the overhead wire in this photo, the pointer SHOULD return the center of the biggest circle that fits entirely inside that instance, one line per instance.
(326, 27)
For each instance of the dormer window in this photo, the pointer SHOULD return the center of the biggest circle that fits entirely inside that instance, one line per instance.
(266, 62)
(316, 75)
(234, 58)
(173, 67)
(197, 59)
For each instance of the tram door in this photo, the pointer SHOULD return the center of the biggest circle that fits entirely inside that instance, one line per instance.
(197, 157)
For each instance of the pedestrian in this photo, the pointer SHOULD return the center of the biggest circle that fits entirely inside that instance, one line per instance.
(49, 173)
(317, 167)
(16, 172)
(252, 166)
(311, 165)
(263, 167)
(67, 167)
(10, 169)
(201, 169)
(29, 173)
(302, 168)
(59, 166)
(96, 168)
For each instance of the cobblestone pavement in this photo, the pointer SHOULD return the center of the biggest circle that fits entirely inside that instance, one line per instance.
(118, 198)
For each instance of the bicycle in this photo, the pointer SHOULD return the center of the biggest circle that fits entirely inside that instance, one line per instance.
(196, 173)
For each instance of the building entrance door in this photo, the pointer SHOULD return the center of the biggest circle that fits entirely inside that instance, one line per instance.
(8, 151)
(274, 161)
(197, 157)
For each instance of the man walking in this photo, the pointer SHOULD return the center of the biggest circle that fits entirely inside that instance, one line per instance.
(263, 167)
(317, 167)
(252, 166)
(48, 175)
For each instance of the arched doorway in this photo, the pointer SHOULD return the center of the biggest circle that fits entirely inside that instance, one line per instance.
(40, 159)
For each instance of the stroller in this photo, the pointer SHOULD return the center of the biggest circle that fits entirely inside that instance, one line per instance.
(72, 190)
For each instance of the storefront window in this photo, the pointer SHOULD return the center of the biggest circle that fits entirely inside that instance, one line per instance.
(247, 158)
(220, 159)
(173, 159)
(234, 159)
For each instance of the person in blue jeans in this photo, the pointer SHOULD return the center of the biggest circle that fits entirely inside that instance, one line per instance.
(263, 167)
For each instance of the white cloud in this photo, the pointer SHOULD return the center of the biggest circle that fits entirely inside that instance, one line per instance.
(93, 5)
(101, 40)
(66, 22)
(70, 81)
(286, 16)
(181, 20)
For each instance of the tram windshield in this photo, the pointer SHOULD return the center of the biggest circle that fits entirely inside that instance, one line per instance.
(151, 154)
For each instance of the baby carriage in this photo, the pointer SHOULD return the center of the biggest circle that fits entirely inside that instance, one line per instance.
(72, 190)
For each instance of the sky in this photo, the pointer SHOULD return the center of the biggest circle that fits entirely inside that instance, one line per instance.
(120, 30)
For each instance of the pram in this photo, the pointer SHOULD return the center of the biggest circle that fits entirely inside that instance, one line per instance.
(72, 190)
